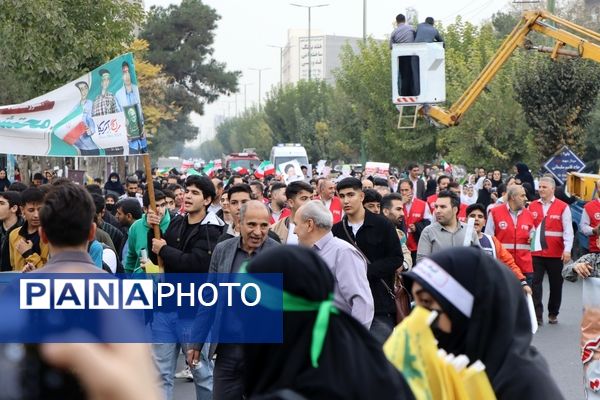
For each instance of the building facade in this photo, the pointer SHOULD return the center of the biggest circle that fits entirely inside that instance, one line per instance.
(324, 56)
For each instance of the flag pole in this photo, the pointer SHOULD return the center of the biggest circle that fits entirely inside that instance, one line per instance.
(150, 189)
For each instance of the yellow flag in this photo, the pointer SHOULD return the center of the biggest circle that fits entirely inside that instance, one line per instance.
(412, 349)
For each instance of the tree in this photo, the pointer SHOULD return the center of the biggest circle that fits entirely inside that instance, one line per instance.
(557, 97)
(153, 84)
(46, 43)
(247, 131)
(181, 39)
(294, 113)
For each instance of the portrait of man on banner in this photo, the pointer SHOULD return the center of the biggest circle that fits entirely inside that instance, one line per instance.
(128, 99)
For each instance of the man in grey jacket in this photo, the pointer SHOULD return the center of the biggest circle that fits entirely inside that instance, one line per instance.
(228, 257)
(426, 32)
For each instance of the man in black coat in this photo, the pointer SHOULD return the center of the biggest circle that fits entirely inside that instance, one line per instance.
(187, 246)
(376, 238)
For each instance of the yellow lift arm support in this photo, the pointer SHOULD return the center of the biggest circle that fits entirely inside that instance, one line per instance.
(579, 38)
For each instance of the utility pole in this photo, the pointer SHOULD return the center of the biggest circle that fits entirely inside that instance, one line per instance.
(363, 152)
(309, 35)
(260, 70)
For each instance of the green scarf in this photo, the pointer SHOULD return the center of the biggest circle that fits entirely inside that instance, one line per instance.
(294, 303)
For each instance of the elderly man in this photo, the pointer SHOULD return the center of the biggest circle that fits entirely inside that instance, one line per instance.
(349, 268)
(228, 257)
(552, 217)
(327, 195)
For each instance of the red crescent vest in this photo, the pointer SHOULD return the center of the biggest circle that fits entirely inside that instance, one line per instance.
(336, 209)
(416, 214)
(284, 213)
(515, 239)
(554, 227)
(593, 211)
(431, 202)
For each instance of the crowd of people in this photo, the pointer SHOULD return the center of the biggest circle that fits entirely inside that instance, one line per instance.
(352, 237)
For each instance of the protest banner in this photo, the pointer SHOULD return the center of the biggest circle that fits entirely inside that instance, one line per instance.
(98, 114)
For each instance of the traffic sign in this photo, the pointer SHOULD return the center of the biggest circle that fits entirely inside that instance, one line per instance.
(562, 162)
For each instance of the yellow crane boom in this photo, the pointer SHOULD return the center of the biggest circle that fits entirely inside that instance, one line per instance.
(583, 40)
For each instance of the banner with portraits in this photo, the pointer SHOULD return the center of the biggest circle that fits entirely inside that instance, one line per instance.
(99, 114)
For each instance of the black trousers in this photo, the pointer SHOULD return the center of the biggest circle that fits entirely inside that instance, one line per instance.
(228, 375)
(552, 266)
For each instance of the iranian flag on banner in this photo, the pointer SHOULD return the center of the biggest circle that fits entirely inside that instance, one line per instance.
(264, 169)
(447, 166)
(209, 169)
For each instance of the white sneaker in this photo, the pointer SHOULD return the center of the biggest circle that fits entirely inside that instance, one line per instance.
(185, 373)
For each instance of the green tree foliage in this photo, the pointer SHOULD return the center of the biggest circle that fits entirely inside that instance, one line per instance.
(181, 39)
(46, 43)
(247, 131)
(557, 97)
(317, 115)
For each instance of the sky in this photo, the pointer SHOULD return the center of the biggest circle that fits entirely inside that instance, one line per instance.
(248, 27)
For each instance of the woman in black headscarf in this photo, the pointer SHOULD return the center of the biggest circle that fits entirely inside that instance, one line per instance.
(113, 184)
(350, 364)
(523, 174)
(430, 189)
(483, 315)
(484, 195)
(4, 182)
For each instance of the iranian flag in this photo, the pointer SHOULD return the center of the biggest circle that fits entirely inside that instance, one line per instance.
(264, 169)
(209, 169)
(447, 166)
(240, 170)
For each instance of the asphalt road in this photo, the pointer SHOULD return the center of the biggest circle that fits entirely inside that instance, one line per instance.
(559, 344)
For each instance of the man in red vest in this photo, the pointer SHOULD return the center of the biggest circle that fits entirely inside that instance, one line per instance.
(416, 216)
(556, 237)
(327, 195)
(590, 221)
(513, 225)
(442, 184)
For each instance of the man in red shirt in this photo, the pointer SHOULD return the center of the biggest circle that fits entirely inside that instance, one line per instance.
(327, 195)
(416, 216)
(442, 184)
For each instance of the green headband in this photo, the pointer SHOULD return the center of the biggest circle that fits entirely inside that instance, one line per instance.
(324, 308)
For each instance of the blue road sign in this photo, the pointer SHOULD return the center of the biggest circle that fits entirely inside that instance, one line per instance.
(562, 162)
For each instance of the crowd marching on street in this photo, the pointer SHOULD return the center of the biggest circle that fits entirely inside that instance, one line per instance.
(354, 236)
(411, 284)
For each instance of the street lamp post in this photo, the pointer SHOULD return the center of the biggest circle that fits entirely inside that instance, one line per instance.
(245, 86)
(280, 63)
(260, 70)
(365, 21)
(309, 36)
